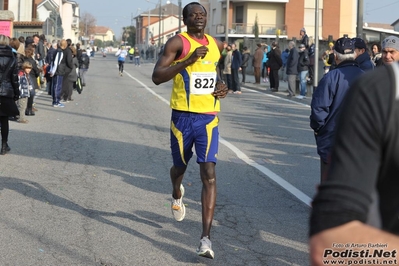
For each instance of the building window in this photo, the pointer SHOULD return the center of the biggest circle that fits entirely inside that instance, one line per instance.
(310, 18)
(239, 14)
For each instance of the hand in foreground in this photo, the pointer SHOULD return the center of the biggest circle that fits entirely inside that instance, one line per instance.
(221, 90)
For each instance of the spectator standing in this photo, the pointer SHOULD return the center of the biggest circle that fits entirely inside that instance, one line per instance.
(303, 68)
(275, 63)
(292, 68)
(40, 54)
(69, 65)
(221, 61)
(311, 53)
(377, 55)
(257, 62)
(304, 38)
(227, 68)
(235, 68)
(284, 58)
(245, 58)
(390, 50)
(136, 56)
(326, 57)
(265, 67)
(34, 74)
(84, 65)
(57, 72)
(328, 97)
(50, 59)
(78, 51)
(131, 54)
(25, 87)
(362, 55)
(70, 80)
(9, 91)
(363, 162)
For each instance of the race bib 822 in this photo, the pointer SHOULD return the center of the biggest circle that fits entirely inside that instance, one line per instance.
(202, 82)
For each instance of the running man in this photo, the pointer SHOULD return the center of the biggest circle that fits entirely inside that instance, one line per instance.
(121, 54)
(190, 59)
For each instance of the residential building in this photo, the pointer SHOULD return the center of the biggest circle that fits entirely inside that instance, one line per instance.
(103, 34)
(155, 26)
(376, 32)
(282, 18)
(54, 18)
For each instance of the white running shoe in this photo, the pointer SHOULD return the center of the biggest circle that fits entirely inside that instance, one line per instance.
(178, 208)
(205, 248)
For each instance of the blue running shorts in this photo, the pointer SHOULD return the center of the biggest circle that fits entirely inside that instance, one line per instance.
(188, 129)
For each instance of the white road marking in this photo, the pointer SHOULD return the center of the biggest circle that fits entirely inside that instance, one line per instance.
(276, 178)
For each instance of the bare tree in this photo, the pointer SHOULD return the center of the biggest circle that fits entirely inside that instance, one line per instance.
(87, 24)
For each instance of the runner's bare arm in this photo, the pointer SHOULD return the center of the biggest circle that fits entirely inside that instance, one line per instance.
(163, 71)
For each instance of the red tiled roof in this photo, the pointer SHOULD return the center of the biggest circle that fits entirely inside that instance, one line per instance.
(101, 30)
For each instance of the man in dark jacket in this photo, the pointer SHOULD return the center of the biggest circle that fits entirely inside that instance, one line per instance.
(84, 63)
(235, 67)
(244, 65)
(57, 73)
(78, 51)
(304, 38)
(292, 68)
(362, 56)
(364, 162)
(303, 69)
(275, 63)
(328, 97)
(68, 68)
(49, 60)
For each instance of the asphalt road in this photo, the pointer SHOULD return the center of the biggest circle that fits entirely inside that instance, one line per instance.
(89, 184)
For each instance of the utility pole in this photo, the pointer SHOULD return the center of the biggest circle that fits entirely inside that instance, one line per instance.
(227, 21)
(359, 28)
(179, 3)
(316, 48)
(159, 22)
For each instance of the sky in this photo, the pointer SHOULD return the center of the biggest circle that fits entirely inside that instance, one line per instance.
(117, 14)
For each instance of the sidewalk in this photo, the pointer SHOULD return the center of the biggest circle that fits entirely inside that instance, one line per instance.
(282, 90)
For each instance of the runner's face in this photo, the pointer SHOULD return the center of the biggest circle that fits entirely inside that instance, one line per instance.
(196, 19)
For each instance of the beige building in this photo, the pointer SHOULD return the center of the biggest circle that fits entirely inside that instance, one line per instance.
(284, 18)
(102, 33)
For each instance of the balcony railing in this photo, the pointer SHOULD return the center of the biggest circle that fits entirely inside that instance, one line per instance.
(244, 28)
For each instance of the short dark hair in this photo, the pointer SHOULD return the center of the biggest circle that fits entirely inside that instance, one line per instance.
(185, 9)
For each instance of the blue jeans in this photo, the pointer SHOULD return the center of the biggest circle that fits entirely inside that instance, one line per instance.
(137, 60)
(302, 82)
(56, 88)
